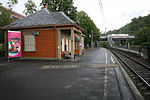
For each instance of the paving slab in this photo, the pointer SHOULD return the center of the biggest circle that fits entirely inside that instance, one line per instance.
(57, 80)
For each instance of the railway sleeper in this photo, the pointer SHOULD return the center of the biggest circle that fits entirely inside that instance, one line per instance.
(140, 84)
(136, 81)
(134, 78)
(143, 88)
(146, 77)
(132, 75)
(127, 70)
(147, 94)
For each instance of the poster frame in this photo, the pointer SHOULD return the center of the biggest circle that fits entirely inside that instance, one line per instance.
(20, 44)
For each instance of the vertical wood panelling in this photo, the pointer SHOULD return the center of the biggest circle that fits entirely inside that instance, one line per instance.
(46, 43)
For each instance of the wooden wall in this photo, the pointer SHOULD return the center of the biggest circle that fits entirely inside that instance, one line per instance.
(46, 45)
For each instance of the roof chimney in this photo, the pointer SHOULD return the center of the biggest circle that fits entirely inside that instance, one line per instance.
(45, 5)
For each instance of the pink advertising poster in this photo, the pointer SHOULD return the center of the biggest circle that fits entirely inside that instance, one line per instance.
(14, 44)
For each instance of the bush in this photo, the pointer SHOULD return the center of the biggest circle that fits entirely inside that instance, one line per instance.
(103, 43)
(1, 50)
(145, 44)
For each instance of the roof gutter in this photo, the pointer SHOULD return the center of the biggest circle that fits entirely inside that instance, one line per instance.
(42, 26)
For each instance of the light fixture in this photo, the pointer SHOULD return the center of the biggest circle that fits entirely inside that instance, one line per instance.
(36, 33)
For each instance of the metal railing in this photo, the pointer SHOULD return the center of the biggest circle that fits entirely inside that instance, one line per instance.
(143, 51)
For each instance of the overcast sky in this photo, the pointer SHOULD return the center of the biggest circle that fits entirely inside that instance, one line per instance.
(116, 12)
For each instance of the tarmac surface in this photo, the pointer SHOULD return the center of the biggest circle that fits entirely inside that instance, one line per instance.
(96, 76)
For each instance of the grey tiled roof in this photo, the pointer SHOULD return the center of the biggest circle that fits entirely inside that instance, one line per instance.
(42, 17)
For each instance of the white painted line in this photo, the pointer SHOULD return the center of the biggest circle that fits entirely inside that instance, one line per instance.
(105, 84)
(56, 66)
(3, 64)
(106, 77)
(53, 66)
(105, 56)
(112, 60)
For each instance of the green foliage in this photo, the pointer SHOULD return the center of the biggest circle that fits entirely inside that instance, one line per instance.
(1, 50)
(112, 32)
(30, 7)
(81, 18)
(5, 19)
(143, 36)
(138, 27)
(11, 3)
(103, 43)
(65, 6)
(84, 21)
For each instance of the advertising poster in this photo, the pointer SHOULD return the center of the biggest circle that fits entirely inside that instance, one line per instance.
(14, 44)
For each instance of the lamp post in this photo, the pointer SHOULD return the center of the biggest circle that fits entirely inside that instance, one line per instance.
(92, 39)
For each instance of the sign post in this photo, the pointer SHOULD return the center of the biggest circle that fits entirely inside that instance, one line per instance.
(14, 44)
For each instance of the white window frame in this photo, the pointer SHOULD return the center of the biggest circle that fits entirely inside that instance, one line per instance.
(63, 41)
(29, 41)
(70, 43)
(67, 42)
(77, 45)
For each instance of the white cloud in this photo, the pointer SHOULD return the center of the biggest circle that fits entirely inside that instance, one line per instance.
(20, 6)
(117, 12)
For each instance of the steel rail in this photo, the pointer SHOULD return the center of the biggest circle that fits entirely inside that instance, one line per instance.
(148, 67)
(132, 70)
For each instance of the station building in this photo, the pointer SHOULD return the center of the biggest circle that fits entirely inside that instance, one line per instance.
(47, 35)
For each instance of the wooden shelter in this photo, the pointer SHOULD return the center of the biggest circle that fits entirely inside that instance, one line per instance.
(48, 35)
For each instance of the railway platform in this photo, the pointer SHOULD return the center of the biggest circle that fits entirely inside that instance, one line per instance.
(97, 76)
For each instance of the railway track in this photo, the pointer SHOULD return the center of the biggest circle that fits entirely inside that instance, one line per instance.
(138, 72)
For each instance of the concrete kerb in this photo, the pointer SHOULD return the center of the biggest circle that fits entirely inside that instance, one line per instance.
(91, 48)
(134, 89)
(77, 59)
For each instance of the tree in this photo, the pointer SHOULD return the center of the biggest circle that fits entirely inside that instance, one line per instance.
(143, 36)
(11, 3)
(84, 21)
(65, 6)
(30, 8)
(140, 27)
(5, 19)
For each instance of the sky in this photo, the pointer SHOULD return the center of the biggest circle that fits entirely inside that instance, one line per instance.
(116, 13)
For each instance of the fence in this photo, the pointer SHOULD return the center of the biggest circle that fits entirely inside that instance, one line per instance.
(144, 51)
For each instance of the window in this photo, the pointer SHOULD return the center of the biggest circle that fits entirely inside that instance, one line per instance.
(69, 43)
(77, 45)
(66, 42)
(29, 41)
(63, 43)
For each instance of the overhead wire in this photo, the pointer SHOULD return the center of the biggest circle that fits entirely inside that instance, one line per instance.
(133, 12)
(102, 15)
